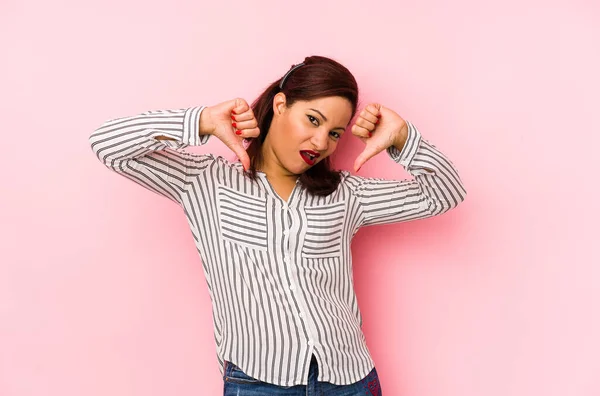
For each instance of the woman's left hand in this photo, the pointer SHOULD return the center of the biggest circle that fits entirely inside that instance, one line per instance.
(380, 128)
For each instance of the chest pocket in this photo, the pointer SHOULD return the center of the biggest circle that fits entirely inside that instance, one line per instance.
(242, 218)
(324, 230)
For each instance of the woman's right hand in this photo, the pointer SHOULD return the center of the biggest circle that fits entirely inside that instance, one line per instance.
(231, 122)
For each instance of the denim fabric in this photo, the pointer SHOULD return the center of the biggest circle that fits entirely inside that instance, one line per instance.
(238, 383)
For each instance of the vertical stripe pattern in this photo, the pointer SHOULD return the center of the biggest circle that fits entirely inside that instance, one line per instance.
(279, 273)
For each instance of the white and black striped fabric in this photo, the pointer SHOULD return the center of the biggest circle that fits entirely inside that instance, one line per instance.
(279, 273)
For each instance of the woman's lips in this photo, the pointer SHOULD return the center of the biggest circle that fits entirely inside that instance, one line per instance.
(309, 156)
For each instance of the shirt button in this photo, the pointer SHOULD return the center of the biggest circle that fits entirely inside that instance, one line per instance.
(286, 259)
(292, 287)
(301, 314)
(285, 207)
(286, 232)
(310, 342)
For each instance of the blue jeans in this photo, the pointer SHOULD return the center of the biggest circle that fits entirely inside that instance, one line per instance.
(238, 383)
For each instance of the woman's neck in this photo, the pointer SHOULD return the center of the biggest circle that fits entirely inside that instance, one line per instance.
(272, 167)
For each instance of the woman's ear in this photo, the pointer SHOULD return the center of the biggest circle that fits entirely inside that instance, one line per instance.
(279, 103)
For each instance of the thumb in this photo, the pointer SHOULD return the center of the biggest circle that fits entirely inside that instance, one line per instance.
(235, 144)
(241, 153)
(363, 157)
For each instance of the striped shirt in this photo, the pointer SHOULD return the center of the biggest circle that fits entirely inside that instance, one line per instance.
(279, 273)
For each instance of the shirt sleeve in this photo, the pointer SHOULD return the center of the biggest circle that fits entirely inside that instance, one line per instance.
(436, 187)
(129, 146)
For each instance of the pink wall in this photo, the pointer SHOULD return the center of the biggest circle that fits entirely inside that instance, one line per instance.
(496, 298)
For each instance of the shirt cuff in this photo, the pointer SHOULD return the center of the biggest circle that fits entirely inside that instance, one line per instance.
(191, 127)
(410, 148)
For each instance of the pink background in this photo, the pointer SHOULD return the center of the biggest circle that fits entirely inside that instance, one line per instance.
(101, 288)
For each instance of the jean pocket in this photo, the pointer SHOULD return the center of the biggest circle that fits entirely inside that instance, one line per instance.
(234, 374)
(370, 384)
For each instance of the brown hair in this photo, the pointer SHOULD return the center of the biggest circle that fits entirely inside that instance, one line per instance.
(319, 77)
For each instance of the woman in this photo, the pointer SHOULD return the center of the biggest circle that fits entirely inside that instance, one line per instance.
(273, 230)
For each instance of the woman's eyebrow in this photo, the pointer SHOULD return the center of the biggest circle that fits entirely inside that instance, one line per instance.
(325, 118)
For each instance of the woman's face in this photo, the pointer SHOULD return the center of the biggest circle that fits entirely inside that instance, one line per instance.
(305, 133)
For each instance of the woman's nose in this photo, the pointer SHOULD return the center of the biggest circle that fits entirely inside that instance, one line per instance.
(320, 141)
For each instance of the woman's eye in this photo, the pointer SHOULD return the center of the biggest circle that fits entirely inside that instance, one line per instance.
(335, 134)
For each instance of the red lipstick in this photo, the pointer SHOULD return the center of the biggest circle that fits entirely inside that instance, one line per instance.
(309, 156)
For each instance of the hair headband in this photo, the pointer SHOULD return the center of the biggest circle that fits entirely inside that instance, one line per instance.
(294, 67)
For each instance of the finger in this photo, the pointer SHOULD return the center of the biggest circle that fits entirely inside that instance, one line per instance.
(363, 157)
(250, 124)
(248, 133)
(245, 116)
(369, 114)
(373, 110)
(365, 124)
(360, 131)
(240, 106)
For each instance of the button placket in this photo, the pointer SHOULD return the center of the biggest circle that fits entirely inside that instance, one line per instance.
(287, 254)
(286, 234)
(290, 215)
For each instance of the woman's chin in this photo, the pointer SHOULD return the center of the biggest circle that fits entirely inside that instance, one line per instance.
(297, 168)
